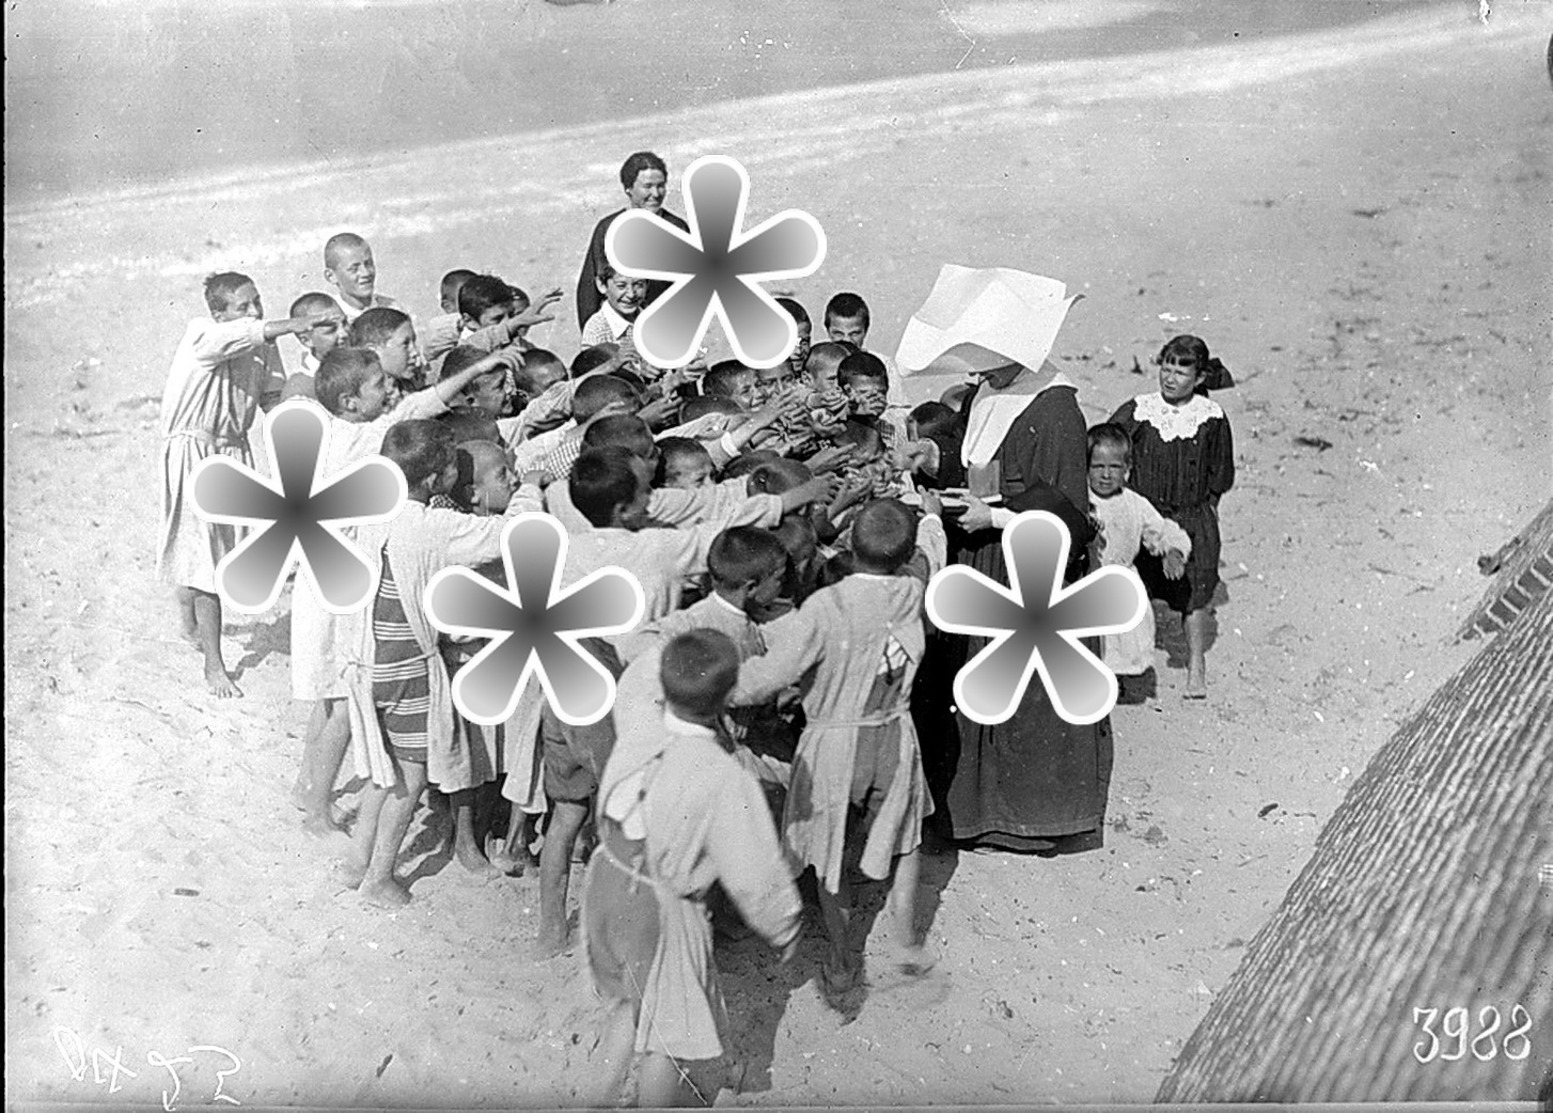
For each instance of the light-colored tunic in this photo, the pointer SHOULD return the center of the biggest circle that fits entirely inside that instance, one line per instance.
(847, 645)
(317, 660)
(219, 375)
(704, 819)
(1130, 520)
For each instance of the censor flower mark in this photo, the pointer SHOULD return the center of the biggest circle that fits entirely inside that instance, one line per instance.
(1035, 624)
(534, 626)
(716, 269)
(298, 520)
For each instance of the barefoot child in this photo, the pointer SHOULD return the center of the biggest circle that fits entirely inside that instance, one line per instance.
(857, 782)
(1129, 520)
(1183, 460)
(225, 369)
(399, 687)
(676, 814)
(363, 404)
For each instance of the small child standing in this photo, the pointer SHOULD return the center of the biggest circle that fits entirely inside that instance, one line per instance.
(1128, 520)
(676, 814)
(225, 369)
(1183, 460)
(857, 782)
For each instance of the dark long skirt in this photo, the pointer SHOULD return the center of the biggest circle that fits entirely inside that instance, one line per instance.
(1036, 776)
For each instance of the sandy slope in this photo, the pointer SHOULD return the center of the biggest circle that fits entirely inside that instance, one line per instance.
(1356, 222)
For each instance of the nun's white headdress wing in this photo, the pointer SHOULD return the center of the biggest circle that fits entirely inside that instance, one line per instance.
(979, 319)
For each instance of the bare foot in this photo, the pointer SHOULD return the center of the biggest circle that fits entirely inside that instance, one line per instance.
(385, 893)
(475, 862)
(915, 960)
(503, 860)
(1196, 686)
(350, 871)
(322, 824)
(220, 682)
(550, 944)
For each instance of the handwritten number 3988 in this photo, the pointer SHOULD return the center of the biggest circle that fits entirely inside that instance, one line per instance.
(1455, 1026)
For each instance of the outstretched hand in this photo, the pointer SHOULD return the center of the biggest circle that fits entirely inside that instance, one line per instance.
(1175, 565)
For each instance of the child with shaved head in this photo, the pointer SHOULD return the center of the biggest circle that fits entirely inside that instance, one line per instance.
(351, 270)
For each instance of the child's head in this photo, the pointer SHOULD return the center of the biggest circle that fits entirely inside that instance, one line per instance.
(645, 178)
(932, 419)
(486, 393)
(770, 382)
(684, 464)
(424, 450)
(484, 300)
(607, 489)
(865, 382)
(846, 318)
(748, 565)
(230, 296)
(591, 359)
(800, 316)
(698, 671)
(625, 295)
(748, 463)
(627, 431)
(452, 282)
(541, 370)
(956, 396)
(778, 475)
(326, 334)
(470, 425)
(485, 480)
(884, 533)
(866, 443)
(1186, 368)
(798, 537)
(1110, 455)
(348, 266)
(824, 361)
(600, 394)
(704, 404)
(389, 333)
(352, 385)
(732, 380)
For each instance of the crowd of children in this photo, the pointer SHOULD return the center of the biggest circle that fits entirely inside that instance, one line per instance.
(783, 524)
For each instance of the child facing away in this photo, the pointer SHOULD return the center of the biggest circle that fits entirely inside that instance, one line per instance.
(1128, 520)
(858, 789)
(399, 688)
(1183, 460)
(326, 334)
(362, 403)
(676, 814)
(226, 367)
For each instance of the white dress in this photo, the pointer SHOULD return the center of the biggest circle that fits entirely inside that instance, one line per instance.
(1130, 520)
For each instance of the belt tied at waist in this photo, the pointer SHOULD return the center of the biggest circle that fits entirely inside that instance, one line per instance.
(880, 719)
(209, 440)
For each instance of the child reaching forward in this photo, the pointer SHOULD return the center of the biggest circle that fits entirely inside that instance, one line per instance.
(225, 368)
(1183, 460)
(1127, 519)
(676, 813)
(857, 784)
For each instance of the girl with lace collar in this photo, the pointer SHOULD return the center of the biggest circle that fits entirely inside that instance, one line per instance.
(1183, 460)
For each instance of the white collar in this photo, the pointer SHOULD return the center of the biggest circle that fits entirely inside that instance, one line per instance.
(1176, 423)
(617, 323)
(994, 412)
(674, 723)
(729, 606)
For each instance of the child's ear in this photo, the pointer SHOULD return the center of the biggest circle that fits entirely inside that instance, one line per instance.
(603, 287)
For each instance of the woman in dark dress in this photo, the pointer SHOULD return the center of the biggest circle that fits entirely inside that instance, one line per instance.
(645, 178)
(1035, 782)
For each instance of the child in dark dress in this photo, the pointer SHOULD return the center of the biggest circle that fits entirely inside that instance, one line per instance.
(1183, 460)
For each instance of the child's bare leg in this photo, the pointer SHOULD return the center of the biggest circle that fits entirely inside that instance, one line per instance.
(617, 1046)
(1196, 650)
(363, 836)
(836, 910)
(658, 1083)
(555, 867)
(379, 886)
(207, 618)
(466, 848)
(913, 956)
(188, 624)
(323, 752)
(514, 848)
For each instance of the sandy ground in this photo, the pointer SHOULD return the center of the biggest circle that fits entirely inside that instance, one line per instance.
(1357, 222)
